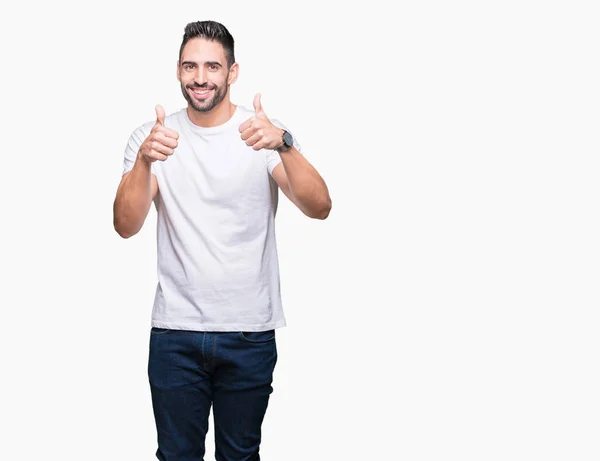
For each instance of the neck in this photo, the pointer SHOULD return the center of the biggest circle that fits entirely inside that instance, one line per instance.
(217, 116)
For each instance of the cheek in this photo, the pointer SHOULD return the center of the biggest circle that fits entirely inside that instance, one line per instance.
(183, 80)
(222, 80)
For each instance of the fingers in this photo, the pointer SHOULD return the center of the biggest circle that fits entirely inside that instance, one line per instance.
(166, 140)
(252, 138)
(258, 133)
(247, 124)
(153, 150)
(168, 132)
(251, 131)
(160, 124)
(257, 105)
(259, 145)
(157, 156)
(162, 141)
(160, 115)
(157, 146)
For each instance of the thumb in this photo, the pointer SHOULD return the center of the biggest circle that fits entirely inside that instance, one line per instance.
(257, 105)
(160, 115)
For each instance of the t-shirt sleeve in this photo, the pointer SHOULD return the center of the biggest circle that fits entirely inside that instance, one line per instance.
(133, 146)
(273, 158)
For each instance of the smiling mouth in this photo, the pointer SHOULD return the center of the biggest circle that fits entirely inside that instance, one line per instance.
(201, 93)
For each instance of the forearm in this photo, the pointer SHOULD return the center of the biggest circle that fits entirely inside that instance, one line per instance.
(133, 199)
(306, 184)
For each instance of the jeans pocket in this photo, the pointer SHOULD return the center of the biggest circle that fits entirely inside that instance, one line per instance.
(159, 331)
(258, 336)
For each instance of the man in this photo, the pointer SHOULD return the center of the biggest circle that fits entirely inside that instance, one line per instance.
(213, 171)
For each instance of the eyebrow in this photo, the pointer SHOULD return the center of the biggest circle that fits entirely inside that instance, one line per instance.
(213, 63)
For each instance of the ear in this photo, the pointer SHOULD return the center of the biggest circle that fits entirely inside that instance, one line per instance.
(178, 75)
(233, 73)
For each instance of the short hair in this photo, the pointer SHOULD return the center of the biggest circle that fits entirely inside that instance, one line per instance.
(210, 30)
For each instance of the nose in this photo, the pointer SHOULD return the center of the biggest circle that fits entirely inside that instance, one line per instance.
(200, 76)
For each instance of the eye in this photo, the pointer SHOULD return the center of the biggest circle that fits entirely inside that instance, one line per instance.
(213, 67)
(188, 67)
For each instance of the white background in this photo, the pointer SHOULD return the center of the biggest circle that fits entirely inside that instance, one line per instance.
(447, 308)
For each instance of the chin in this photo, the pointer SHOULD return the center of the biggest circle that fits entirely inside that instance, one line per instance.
(204, 108)
(200, 107)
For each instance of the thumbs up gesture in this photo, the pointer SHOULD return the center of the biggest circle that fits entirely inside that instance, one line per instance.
(259, 132)
(161, 142)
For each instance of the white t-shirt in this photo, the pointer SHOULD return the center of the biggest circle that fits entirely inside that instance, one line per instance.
(217, 256)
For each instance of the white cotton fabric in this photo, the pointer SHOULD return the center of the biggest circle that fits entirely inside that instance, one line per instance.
(216, 245)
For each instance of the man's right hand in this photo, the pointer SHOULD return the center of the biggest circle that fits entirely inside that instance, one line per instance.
(161, 142)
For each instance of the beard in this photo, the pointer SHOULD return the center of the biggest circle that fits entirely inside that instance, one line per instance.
(208, 104)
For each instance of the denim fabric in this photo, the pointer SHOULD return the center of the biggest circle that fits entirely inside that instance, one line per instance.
(191, 370)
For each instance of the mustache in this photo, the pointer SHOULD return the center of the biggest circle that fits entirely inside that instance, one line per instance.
(204, 86)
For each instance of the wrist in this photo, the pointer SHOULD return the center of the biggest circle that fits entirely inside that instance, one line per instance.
(287, 141)
(143, 160)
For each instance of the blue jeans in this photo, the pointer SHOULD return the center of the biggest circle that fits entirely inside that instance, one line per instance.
(191, 370)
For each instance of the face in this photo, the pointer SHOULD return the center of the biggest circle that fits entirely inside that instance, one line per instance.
(203, 74)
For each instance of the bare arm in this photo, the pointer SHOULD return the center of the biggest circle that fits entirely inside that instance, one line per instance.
(302, 184)
(134, 196)
(139, 186)
(295, 176)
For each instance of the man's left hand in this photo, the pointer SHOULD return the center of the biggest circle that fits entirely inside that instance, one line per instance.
(259, 132)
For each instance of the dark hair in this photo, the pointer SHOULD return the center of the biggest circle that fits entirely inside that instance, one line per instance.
(210, 30)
